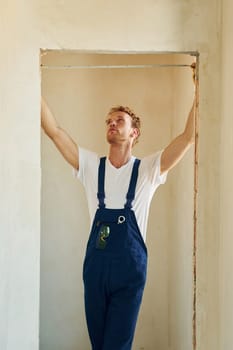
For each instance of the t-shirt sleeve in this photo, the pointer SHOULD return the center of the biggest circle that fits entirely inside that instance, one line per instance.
(152, 164)
(86, 161)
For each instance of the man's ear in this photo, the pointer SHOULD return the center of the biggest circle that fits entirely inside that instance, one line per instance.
(136, 132)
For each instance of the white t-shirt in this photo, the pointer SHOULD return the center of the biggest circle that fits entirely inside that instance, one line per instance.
(117, 183)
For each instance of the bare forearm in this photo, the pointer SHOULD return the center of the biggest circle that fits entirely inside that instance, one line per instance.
(48, 122)
(60, 138)
(175, 151)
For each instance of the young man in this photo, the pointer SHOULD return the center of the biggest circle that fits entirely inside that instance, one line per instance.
(119, 190)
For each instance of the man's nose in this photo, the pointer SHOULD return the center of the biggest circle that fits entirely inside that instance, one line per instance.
(112, 123)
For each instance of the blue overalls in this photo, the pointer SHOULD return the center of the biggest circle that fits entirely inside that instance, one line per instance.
(114, 271)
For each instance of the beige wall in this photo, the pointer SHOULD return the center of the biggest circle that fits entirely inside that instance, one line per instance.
(181, 228)
(159, 26)
(226, 170)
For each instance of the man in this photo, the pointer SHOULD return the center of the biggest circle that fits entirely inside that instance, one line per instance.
(119, 190)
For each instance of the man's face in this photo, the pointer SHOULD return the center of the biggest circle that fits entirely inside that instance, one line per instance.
(119, 128)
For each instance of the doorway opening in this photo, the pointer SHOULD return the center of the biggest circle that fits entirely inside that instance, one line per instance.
(80, 88)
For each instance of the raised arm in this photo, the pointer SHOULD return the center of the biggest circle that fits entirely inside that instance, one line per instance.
(175, 151)
(61, 139)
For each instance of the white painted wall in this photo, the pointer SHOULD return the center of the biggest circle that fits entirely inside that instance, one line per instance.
(226, 169)
(159, 26)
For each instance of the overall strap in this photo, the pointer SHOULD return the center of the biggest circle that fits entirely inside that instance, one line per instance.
(101, 176)
(132, 186)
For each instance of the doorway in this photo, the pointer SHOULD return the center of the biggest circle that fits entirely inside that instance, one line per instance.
(80, 88)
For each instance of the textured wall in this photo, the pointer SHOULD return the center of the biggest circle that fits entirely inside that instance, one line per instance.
(28, 26)
(226, 169)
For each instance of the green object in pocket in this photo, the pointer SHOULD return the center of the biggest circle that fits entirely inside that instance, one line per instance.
(103, 234)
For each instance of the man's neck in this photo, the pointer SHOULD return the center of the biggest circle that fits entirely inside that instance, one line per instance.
(119, 156)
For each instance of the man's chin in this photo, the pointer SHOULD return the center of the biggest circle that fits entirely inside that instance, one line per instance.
(111, 140)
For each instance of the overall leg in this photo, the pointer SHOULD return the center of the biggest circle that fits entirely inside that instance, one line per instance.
(95, 302)
(121, 318)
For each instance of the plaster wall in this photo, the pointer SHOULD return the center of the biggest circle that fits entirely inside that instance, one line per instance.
(27, 26)
(226, 256)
